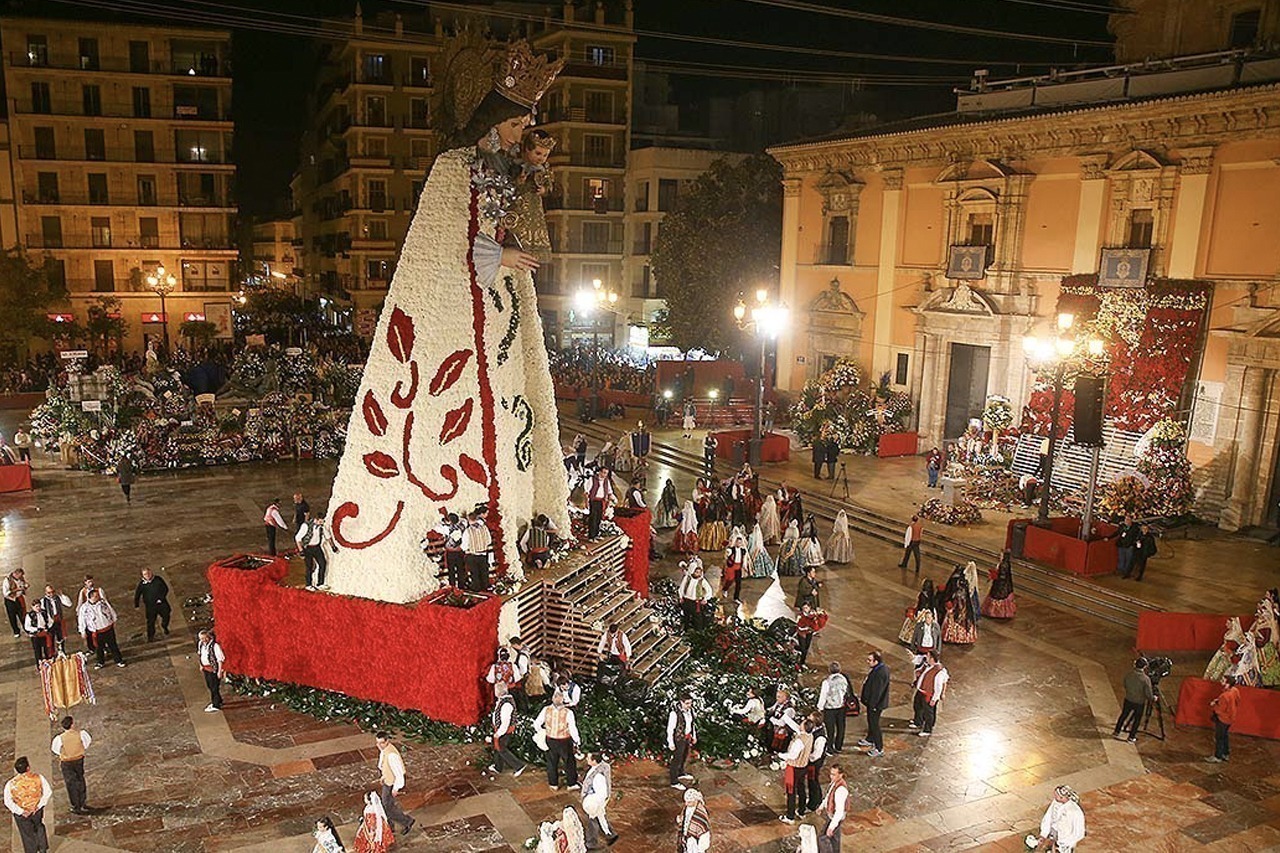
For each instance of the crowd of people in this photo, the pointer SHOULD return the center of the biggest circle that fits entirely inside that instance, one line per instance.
(579, 365)
(35, 374)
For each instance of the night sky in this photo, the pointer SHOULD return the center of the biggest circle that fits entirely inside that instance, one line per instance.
(273, 70)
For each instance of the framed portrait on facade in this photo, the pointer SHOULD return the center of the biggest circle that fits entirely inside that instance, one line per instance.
(219, 314)
(1123, 267)
(967, 263)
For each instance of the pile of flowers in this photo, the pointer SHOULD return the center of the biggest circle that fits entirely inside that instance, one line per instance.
(628, 719)
(839, 406)
(961, 513)
(1161, 486)
(997, 415)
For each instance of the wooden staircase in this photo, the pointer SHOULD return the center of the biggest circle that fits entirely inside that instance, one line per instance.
(558, 612)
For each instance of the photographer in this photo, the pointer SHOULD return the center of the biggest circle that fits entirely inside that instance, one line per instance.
(1137, 693)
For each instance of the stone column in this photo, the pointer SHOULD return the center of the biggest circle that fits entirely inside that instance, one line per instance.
(787, 280)
(1093, 190)
(1247, 440)
(919, 370)
(886, 274)
(1193, 186)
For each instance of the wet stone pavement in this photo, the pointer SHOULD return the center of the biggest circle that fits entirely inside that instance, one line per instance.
(1031, 706)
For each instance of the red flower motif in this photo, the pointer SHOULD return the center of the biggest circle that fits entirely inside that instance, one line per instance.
(473, 469)
(448, 373)
(381, 465)
(404, 399)
(374, 418)
(350, 510)
(456, 422)
(400, 335)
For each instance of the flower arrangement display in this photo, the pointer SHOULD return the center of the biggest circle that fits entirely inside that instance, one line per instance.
(838, 405)
(1152, 334)
(997, 415)
(1162, 486)
(628, 719)
(961, 513)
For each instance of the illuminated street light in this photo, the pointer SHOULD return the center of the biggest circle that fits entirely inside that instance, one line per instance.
(587, 302)
(768, 321)
(162, 284)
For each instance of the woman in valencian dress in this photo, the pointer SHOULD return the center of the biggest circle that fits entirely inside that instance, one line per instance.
(456, 406)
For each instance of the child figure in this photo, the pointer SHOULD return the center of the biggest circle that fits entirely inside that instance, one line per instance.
(527, 220)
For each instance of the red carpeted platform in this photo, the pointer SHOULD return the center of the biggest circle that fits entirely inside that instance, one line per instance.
(1258, 715)
(897, 444)
(636, 524)
(1058, 545)
(425, 657)
(15, 478)
(1183, 632)
(773, 447)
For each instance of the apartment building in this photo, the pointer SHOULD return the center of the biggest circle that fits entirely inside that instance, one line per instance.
(274, 253)
(121, 138)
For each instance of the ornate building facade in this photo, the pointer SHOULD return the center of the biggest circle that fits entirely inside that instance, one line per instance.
(928, 251)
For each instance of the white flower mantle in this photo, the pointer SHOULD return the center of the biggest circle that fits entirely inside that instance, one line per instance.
(455, 408)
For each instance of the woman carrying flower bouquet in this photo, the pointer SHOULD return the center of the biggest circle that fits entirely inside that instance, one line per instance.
(926, 600)
(960, 626)
(1000, 602)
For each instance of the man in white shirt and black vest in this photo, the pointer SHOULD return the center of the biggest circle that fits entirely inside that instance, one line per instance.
(599, 496)
(504, 726)
(311, 539)
(557, 722)
(835, 806)
(477, 543)
(931, 684)
(391, 778)
(210, 656)
(70, 747)
(681, 735)
(98, 624)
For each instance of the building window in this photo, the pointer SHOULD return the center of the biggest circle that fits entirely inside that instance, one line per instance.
(642, 197)
(144, 146)
(591, 272)
(644, 240)
(147, 191)
(902, 365)
(419, 71)
(377, 196)
(595, 237)
(46, 149)
(98, 188)
(375, 146)
(95, 144)
(37, 51)
(668, 192)
(104, 277)
(418, 112)
(196, 146)
(595, 192)
(377, 68)
(420, 149)
(599, 54)
(982, 229)
(41, 101)
(378, 270)
(47, 187)
(91, 97)
(139, 57)
(51, 232)
(100, 229)
(198, 102)
(597, 149)
(1244, 28)
(141, 102)
(89, 55)
(600, 106)
(837, 248)
(149, 232)
(375, 111)
(377, 229)
(1141, 226)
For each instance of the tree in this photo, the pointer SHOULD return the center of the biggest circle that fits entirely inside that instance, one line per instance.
(281, 316)
(104, 324)
(26, 292)
(199, 332)
(723, 238)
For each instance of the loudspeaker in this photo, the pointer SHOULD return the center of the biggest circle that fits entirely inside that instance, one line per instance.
(1087, 418)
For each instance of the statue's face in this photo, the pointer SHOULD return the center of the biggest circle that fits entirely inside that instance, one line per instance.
(511, 130)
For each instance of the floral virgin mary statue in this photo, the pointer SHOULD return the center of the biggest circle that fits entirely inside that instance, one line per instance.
(456, 407)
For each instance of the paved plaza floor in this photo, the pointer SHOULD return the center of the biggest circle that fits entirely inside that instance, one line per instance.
(1032, 705)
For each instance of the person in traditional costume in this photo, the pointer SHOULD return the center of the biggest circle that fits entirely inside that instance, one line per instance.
(1000, 602)
(770, 524)
(811, 622)
(623, 460)
(790, 552)
(599, 498)
(26, 795)
(960, 626)
(536, 543)
(686, 538)
(817, 756)
(835, 806)
(813, 556)
(690, 421)
(735, 562)
(682, 735)
(503, 719)
(71, 746)
(696, 599)
(635, 493)
(1222, 659)
(926, 600)
(15, 600)
(971, 580)
(210, 658)
(55, 607)
(709, 446)
(840, 545)
(752, 714)
(391, 779)
(930, 686)
(713, 535)
(1266, 634)
(782, 720)
(597, 790)
(374, 834)
(1245, 667)
(326, 836)
(39, 631)
(795, 766)
(1062, 826)
(614, 646)
(944, 595)
(668, 508)
(98, 625)
(759, 563)
(693, 825)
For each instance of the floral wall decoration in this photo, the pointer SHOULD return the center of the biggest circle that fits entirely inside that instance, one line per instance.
(1153, 336)
(838, 405)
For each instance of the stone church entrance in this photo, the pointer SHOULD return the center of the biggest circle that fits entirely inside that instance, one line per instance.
(966, 386)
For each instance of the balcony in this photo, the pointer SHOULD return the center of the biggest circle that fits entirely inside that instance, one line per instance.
(67, 199)
(122, 110)
(584, 203)
(206, 241)
(578, 67)
(585, 115)
(578, 246)
(123, 155)
(149, 241)
(205, 67)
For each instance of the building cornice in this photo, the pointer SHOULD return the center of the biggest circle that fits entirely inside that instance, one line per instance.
(1196, 120)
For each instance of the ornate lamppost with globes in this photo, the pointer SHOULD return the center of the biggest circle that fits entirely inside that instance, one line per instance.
(594, 303)
(162, 284)
(1057, 357)
(766, 320)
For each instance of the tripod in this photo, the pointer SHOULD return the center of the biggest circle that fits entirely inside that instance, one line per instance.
(1158, 705)
(841, 478)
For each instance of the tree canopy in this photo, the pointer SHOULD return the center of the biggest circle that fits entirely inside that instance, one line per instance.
(723, 238)
(26, 294)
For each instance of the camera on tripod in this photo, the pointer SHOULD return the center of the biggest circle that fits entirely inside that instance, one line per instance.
(1158, 668)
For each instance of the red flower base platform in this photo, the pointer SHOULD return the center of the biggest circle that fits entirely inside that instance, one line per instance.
(429, 657)
(773, 447)
(15, 478)
(1183, 632)
(1060, 545)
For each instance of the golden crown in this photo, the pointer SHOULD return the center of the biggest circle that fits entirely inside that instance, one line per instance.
(525, 76)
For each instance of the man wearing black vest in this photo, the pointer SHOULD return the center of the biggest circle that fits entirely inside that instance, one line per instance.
(153, 593)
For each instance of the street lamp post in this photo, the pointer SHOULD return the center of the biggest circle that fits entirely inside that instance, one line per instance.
(1065, 352)
(162, 284)
(594, 303)
(767, 321)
